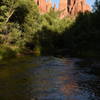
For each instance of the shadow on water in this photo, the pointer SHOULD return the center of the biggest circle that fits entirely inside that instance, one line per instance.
(47, 78)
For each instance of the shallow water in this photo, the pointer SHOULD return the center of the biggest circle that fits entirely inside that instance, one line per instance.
(47, 78)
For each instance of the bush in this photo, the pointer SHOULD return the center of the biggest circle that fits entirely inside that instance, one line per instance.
(37, 51)
(6, 52)
(1, 39)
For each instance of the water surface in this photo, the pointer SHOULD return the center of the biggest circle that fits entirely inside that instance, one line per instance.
(47, 78)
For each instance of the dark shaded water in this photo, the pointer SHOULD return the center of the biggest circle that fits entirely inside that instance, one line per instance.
(47, 78)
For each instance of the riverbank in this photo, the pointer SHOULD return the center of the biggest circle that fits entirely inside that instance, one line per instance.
(8, 52)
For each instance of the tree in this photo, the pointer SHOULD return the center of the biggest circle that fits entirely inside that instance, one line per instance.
(19, 22)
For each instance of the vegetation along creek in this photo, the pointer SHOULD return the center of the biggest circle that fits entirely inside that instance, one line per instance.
(49, 50)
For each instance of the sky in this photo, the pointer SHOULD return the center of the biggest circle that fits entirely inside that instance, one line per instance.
(90, 2)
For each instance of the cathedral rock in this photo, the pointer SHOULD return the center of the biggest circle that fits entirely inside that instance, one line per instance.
(66, 7)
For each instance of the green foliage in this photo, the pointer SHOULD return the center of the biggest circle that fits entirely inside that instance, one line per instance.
(6, 52)
(37, 50)
(2, 39)
(83, 37)
(13, 36)
(52, 22)
(51, 33)
(24, 30)
(19, 22)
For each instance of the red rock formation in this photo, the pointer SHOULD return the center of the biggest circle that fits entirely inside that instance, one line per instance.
(76, 6)
(66, 7)
(63, 8)
(55, 9)
(48, 5)
(42, 6)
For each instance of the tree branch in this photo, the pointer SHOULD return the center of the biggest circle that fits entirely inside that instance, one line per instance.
(10, 16)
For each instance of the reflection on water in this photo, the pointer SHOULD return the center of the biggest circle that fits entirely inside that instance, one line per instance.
(47, 78)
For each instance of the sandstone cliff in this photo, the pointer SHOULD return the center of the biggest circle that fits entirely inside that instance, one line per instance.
(66, 7)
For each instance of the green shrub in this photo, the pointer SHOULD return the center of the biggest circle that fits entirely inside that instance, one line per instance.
(37, 51)
(1, 39)
(6, 52)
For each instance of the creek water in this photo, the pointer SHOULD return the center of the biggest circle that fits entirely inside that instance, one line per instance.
(47, 78)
